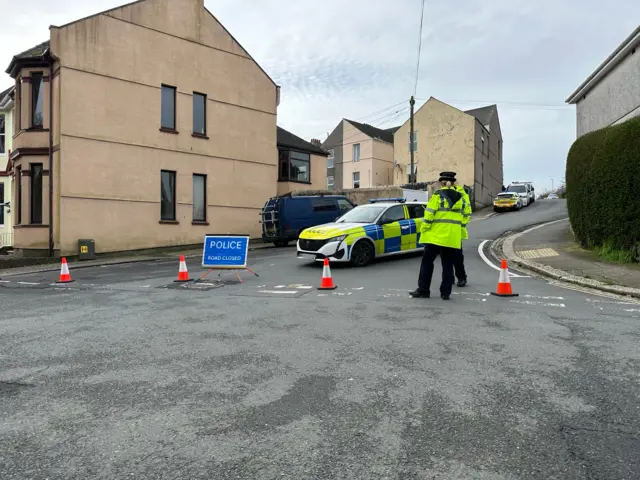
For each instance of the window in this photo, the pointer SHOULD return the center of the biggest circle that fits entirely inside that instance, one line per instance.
(199, 114)
(1, 207)
(323, 204)
(199, 198)
(168, 196)
(294, 166)
(356, 179)
(18, 107)
(344, 205)
(168, 108)
(36, 193)
(18, 196)
(415, 141)
(394, 214)
(415, 211)
(2, 132)
(482, 142)
(330, 159)
(37, 100)
(356, 152)
(330, 181)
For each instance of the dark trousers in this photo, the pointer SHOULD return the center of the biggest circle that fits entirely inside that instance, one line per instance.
(458, 265)
(447, 256)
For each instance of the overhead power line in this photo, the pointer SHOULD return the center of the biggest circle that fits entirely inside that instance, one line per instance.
(387, 119)
(541, 106)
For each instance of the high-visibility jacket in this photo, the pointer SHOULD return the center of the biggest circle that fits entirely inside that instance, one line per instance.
(442, 223)
(466, 210)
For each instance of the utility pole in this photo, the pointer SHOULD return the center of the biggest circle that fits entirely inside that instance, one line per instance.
(412, 178)
(552, 184)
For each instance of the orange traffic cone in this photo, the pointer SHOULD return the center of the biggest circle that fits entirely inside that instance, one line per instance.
(65, 277)
(183, 274)
(504, 283)
(327, 281)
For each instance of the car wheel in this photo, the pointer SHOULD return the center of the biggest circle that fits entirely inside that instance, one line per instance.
(495, 210)
(281, 243)
(362, 254)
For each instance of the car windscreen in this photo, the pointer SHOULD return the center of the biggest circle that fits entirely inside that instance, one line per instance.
(517, 188)
(362, 215)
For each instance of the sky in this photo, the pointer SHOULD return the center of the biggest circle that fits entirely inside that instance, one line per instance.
(356, 59)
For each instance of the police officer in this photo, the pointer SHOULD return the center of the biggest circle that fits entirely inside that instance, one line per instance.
(441, 234)
(458, 262)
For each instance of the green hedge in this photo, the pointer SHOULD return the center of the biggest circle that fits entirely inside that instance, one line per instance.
(603, 187)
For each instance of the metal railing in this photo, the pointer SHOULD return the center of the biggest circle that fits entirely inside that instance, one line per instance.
(6, 239)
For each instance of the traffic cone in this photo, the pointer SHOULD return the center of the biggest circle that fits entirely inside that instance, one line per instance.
(183, 274)
(327, 281)
(65, 277)
(504, 283)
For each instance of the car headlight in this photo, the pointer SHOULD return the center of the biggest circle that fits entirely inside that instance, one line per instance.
(337, 239)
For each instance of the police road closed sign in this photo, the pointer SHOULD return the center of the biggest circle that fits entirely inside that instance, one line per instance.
(225, 251)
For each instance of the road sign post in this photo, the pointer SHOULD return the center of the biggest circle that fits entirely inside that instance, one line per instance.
(225, 252)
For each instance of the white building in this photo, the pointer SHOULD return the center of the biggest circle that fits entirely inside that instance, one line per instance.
(611, 94)
(6, 177)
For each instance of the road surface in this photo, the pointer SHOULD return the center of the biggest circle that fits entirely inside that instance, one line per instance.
(125, 374)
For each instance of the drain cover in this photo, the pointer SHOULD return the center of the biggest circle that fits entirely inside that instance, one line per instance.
(198, 285)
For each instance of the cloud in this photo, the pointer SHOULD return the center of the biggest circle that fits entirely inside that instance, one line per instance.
(338, 59)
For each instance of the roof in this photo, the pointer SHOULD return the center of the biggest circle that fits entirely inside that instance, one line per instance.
(35, 53)
(288, 139)
(627, 46)
(483, 114)
(5, 93)
(386, 135)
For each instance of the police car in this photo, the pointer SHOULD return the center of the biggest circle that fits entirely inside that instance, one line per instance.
(384, 227)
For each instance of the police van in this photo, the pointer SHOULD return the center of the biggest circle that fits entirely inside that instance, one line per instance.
(525, 191)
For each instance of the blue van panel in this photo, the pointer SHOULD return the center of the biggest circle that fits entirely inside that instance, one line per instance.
(283, 218)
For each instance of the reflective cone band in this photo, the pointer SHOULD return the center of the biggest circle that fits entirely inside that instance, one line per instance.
(327, 281)
(65, 277)
(183, 274)
(504, 283)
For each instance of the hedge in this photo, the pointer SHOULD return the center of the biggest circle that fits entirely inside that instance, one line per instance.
(603, 187)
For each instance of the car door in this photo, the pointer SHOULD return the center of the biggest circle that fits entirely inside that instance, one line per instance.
(415, 213)
(392, 230)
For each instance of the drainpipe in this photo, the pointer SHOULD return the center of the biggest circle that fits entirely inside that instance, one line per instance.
(50, 57)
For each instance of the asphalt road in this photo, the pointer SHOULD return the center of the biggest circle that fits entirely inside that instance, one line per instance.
(125, 374)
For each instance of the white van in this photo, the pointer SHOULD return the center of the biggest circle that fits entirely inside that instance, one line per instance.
(524, 190)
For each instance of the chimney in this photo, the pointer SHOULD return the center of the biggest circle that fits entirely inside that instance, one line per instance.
(316, 142)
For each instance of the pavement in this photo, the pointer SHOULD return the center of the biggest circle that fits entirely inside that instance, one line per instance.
(125, 374)
(551, 250)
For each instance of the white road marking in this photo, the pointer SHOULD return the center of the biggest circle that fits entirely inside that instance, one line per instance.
(277, 291)
(359, 288)
(618, 303)
(5, 281)
(28, 283)
(495, 267)
(529, 302)
(543, 298)
(342, 293)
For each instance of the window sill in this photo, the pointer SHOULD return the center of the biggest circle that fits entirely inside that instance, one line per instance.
(31, 225)
(169, 130)
(169, 222)
(36, 129)
(293, 181)
(199, 222)
(199, 135)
